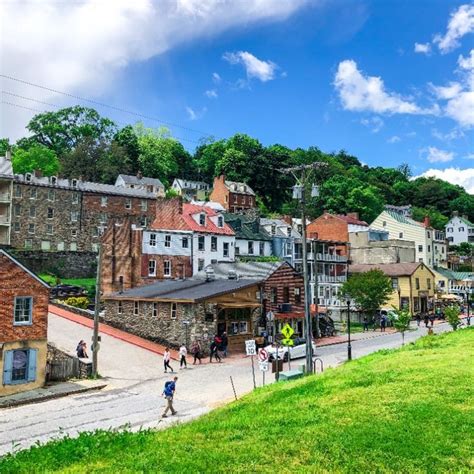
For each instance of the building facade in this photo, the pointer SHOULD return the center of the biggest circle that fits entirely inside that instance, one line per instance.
(284, 237)
(191, 190)
(139, 182)
(459, 229)
(23, 327)
(233, 196)
(6, 190)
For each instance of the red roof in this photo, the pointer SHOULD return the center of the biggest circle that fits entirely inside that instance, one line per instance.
(351, 220)
(173, 215)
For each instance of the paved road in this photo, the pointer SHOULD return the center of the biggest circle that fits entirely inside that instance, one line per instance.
(133, 396)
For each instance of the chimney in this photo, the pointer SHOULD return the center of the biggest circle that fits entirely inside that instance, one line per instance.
(354, 215)
(455, 213)
(426, 221)
(8, 155)
(37, 173)
(139, 175)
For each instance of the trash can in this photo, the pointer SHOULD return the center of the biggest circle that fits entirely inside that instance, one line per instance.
(274, 365)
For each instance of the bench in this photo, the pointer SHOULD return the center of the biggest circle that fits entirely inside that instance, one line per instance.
(290, 375)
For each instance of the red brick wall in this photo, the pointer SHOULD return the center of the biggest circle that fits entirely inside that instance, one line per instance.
(285, 276)
(178, 264)
(328, 227)
(14, 281)
(220, 192)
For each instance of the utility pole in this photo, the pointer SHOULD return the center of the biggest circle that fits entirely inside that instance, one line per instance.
(95, 335)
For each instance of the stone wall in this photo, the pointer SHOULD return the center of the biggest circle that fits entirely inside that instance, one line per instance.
(82, 369)
(62, 264)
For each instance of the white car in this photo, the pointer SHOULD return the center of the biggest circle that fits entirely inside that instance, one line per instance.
(297, 351)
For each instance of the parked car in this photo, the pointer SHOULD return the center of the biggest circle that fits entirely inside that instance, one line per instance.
(297, 351)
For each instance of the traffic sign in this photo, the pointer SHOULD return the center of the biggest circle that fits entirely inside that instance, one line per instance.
(263, 366)
(250, 347)
(262, 355)
(287, 331)
(287, 342)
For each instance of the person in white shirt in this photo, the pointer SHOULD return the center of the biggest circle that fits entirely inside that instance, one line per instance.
(166, 360)
(183, 352)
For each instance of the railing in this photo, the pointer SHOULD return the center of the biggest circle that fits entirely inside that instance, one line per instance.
(5, 196)
(331, 278)
(327, 257)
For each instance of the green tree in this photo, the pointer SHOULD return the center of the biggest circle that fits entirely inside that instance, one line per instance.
(437, 220)
(127, 139)
(370, 290)
(37, 157)
(401, 319)
(4, 146)
(465, 248)
(452, 316)
(464, 204)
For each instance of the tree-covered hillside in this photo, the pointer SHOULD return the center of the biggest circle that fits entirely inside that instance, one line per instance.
(78, 142)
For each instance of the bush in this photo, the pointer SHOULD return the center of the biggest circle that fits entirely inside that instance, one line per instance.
(452, 316)
(81, 302)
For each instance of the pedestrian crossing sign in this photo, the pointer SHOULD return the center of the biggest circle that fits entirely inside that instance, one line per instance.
(287, 342)
(287, 331)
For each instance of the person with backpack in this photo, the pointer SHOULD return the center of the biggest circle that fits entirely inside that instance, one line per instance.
(183, 352)
(196, 352)
(166, 360)
(168, 393)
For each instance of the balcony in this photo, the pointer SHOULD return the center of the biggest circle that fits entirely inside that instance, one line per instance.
(5, 197)
(326, 257)
(332, 278)
(4, 219)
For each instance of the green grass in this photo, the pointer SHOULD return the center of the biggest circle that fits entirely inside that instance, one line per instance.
(87, 283)
(409, 410)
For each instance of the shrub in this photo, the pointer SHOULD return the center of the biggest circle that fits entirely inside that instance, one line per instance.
(78, 302)
(452, 316)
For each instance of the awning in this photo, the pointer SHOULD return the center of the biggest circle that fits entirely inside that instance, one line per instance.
(295, 315)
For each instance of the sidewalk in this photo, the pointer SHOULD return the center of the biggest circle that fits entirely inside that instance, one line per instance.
(111, 331)
(55, 390)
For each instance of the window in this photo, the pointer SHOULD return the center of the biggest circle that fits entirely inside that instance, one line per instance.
(167, 240)
(429, 248)
(201, 243)
(28, 244)
(20, 366)
(449, 229)
(74, 233)
(73, 247)
(75, 198)
(288, 248)
(200, 264)
(16, 210)
(119, 308)
(420, 248)
(286, 295)
(50, 213)
(152, 241)
(54, 180)
(128, 203)
(103, 201)
(16, 227)
(289, 231)
(152, 268)
(174, 310)
(51, 195)
(33, 193)
(417, 283)
(428, 234)
(237, 250)
(185, 242)
(167, 268)
(395, 283)
(136, 308)
(144, 205)
(213, 244)
(243, 327)
(262, 248)
(18, 191)
(273, 229)
(74, 183)
(428, 283)
(273, 295)
(60, 246)
(225, 249)
(74, 216)
(155, 310)
(32, 212)
(220, 221)
(297, 295)
(202, 219)
(103, 218)
(384, 223)
(95, 247)
(400, 235)
(461, 229)
(250, 247)
(31, 228)
(23, 310)
(143, 221)
(45, 245)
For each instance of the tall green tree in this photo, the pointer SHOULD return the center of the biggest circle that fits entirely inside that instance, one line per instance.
(36, 158)
(370, 290)
(128, 140)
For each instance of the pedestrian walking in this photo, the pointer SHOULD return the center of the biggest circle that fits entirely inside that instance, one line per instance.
(426, 320)
(168, 393)
(166, 360)
(418, 319)
(365, 323)
(183, 352)
(432, 318)
(196, 352)
(225, 343)
(213, 351)
(383, 324)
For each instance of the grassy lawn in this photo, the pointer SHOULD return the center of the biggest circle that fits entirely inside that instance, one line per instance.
(409, 410)
(88, 283)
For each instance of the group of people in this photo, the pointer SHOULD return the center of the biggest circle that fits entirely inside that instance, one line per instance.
(384, 321)
(428, 319)
(81, 350)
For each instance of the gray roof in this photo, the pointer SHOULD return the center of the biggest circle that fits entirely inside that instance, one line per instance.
(189, 184)
(86, 186)
(194, 290)
(257, 271)
(135, 180)
(241, 188)
(6, 168)
(279, 223)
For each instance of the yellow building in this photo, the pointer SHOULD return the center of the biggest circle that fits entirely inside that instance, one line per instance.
(413, 284)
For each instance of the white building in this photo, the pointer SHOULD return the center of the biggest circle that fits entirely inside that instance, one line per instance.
(6, 189)
(459, 230)
(191, 189)
(151, 185)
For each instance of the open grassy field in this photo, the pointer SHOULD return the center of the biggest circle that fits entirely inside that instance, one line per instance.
(409, 410)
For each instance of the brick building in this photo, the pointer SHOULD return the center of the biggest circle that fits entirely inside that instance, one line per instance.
(23, 327)
(233, 196)
(54, 214)
(335, 227)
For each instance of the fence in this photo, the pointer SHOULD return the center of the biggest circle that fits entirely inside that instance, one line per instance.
(62, 366)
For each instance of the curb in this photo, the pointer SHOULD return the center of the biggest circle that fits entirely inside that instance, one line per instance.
(52, 396)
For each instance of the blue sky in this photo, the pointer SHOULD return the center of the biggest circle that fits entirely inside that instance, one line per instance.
(298, 73)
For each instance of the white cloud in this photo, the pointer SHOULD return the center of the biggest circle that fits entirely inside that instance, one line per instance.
(447, 92)
(461, 108)
(466, 63)
(424, 48)
(394, 139)
(374, 123)
(216, 78)
(454, 134)
(211, 93)
(462, 177)
(79, 47)
(460, 23)
(435, 155)
(254, 67)
(367, 93)
(195, 114)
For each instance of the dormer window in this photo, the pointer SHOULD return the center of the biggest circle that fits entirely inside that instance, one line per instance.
(54, 180)
(220, 221)
(74, 183)
(289, 231)
(202, 219)
(273, 229)
(28, 177)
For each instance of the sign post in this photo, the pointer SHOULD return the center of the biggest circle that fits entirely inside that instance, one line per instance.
(251, 350)
(263, 362)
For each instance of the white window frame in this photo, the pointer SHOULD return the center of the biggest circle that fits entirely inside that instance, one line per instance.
(31, 226)
(167, 240)
(152, 268)
(225, 249)
(52, 213)
(213, 243)
(128, 203)
(167, 268)
(202, 219)
(185, 242)
(74, 216)
(103, 201)
(136, 308)
(174, 310)
(17, 308)
(201, 238)
(152, 240)
(144, 205)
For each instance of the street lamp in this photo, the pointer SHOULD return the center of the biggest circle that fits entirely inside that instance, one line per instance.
(349, 347)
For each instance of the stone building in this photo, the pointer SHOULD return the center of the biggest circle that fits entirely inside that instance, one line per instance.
(233, 196)
(175, 312)
(54, 214)
(23, 327)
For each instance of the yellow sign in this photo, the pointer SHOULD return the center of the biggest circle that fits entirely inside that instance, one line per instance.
(287, 342)
(287, 331)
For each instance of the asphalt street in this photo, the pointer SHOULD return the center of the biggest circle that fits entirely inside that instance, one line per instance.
(135, 380)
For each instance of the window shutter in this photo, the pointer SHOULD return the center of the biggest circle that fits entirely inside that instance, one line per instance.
(32, 354)
(7, 367)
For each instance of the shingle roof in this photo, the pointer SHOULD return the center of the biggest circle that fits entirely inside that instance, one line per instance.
(188, 184)
(192, 290)
(6, 168)
(351, 220)
(237, 187)
(129, 179)
(390, 269)
(246, 227)
(257, 271)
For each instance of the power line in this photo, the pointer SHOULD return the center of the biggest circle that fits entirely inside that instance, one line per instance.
(102, 104)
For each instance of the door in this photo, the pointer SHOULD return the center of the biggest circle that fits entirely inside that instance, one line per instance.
(221, 328)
